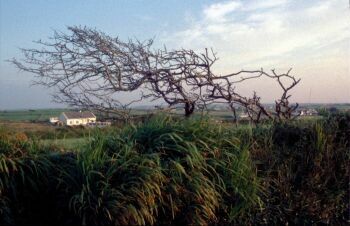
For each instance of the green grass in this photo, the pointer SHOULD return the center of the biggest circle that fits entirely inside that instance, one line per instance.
(30, 115)
(43, 115)
(72, 144)
(173, 171)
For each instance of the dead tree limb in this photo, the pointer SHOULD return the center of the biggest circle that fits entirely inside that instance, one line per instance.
(88, 69)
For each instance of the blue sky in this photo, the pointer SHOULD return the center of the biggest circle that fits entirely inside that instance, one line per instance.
(310, 36)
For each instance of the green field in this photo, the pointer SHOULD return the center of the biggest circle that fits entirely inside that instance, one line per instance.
(34, 123)
(43, 115)
(73, 144)
(30, 115)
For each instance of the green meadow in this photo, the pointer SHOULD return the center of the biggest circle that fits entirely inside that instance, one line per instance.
(30, 115)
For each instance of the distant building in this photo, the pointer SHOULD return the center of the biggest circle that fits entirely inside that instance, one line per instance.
(54, 120)
(308, 112)
(76, 118)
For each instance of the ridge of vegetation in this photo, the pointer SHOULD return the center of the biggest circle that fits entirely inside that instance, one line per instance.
(181, 171)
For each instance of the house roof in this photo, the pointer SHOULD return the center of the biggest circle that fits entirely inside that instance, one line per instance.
(79, 114)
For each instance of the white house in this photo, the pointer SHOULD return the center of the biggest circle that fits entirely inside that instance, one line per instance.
(309, 112)
(54, 120)
(75, 118)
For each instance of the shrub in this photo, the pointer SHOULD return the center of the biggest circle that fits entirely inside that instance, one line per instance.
(338, 125)
(306, 181)
(25, 180)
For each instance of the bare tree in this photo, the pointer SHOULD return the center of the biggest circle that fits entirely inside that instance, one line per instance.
(89, 69)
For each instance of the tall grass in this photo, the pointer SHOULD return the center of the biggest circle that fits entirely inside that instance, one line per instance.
(169, 171)
(306, 180)
(23, 170)
(195, 173)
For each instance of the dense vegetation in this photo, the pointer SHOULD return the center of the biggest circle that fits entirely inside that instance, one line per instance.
(170, 172)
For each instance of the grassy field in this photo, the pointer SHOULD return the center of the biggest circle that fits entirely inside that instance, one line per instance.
(173, 171)
(30, 115)
(43, 115)
(73, 144)
(34, 124)
(26, 126)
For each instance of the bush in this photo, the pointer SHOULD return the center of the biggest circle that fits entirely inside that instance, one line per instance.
(21, 174)
(307, 178)
(338, 124)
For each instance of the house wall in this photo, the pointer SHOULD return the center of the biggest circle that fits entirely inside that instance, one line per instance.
(54, 119)
(74, 122)
(80, 121)
(77, 121)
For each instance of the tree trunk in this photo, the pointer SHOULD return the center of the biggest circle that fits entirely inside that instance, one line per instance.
(233, 109)
(189, 108)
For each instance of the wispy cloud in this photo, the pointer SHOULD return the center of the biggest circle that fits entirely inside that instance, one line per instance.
(267, 4)
(256, 30)
(271, 33)
(219, 11)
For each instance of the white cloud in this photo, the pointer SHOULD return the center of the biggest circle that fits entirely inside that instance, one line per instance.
(265, 33)
(272, 33)
(218, 11)
(258, 4)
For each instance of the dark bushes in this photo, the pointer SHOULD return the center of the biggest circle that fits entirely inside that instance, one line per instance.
(339, 124)
(24, 178)
(307, 181)
(191, 172)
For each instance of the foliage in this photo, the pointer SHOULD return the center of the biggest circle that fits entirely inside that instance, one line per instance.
(169, 171)
(306, 178)
(194, 173)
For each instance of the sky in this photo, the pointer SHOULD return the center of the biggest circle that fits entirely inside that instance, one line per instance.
(312, 37)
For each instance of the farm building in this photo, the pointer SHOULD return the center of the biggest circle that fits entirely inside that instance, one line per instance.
(54, 120)
(77, 118)
(308, 112)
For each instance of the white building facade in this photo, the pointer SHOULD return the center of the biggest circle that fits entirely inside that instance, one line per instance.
(54, 120)
(77, 118)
